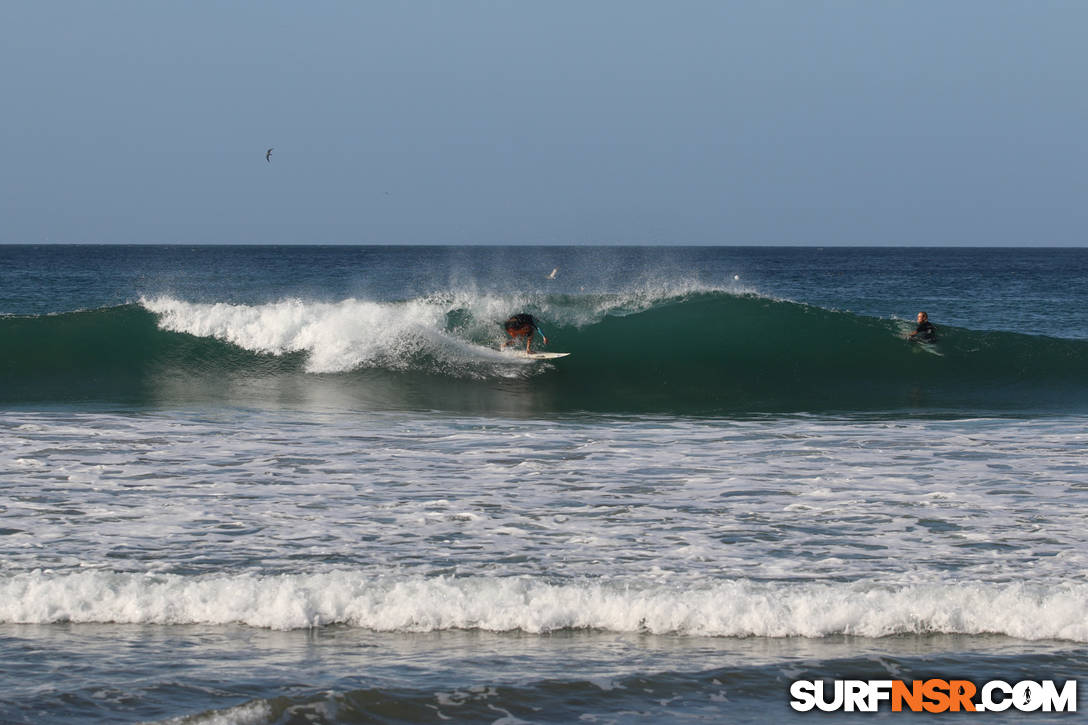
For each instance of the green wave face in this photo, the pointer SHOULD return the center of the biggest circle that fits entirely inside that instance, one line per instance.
(114, 354)
(700, 354)
(717, 352)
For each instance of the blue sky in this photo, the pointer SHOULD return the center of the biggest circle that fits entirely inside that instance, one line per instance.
(560, 122)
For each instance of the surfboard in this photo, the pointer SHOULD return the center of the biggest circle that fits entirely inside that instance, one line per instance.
(923, 346)
(539, 355)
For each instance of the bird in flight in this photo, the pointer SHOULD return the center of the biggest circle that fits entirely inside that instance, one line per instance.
(268, 155)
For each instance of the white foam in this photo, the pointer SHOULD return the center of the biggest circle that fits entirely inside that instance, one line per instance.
(734, 608)
(349, 334)
(338, 336)
(579, 500)
(250, 713)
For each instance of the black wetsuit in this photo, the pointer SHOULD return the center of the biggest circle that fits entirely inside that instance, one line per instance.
(925, 332)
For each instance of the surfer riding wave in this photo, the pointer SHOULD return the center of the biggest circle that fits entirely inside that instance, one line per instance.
(522, 325)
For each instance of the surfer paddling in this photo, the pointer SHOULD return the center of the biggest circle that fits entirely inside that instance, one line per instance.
(925, 332)
(522, 325)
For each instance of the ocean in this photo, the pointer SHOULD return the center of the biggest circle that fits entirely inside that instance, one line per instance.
(302, 484)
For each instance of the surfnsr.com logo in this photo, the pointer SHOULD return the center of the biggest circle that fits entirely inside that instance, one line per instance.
(933, 696)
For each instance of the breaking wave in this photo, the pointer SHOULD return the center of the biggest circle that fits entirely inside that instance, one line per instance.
(730, 608)
(668, 351)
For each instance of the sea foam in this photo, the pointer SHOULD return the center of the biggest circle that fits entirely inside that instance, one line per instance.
(453, 328)
(730, 608)
(338, 336)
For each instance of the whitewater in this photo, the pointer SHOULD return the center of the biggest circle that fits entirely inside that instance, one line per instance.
(259, 485)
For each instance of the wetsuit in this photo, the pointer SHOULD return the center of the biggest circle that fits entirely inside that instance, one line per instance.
(925, 332)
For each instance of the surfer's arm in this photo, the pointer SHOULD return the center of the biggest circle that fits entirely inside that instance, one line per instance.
(542, 335)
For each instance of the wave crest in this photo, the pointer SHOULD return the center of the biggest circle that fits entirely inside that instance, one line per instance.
(734, 608)
(667, 350)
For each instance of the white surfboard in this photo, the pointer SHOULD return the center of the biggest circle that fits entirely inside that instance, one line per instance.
(538, 355)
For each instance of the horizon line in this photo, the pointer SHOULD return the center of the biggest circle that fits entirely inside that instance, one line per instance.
(789, 244)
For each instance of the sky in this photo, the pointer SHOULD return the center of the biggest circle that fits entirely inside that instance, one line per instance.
(862, 122)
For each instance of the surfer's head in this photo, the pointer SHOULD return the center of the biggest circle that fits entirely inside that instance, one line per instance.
(520, 325)
(922, 317)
